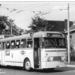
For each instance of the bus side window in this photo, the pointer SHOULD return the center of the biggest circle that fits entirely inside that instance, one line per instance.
(29, 43)
(3, 45)
(23, 43)
(17, 43)
(8, 45)
(0, 46)
(13, 44)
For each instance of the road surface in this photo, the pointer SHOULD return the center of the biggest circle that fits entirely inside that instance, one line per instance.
(20, 71)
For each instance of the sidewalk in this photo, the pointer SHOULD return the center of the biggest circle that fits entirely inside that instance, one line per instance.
(71, 64)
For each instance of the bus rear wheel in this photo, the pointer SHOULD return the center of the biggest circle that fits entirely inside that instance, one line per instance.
(27, 65)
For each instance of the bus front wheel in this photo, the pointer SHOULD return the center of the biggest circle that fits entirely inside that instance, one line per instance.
(27, 65)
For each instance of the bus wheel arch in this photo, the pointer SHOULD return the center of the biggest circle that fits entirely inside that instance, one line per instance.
(27, 64)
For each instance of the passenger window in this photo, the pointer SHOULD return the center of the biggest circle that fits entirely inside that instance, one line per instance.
(3, 43)
(0, 45)
(29, 43)
(13, 44)
(23, 43)
(8, 45)
(17, 43)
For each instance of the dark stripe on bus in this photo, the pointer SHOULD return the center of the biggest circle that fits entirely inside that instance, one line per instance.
(14, 61)
(55, 51)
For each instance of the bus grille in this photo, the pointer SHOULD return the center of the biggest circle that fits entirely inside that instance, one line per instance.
(57, 59)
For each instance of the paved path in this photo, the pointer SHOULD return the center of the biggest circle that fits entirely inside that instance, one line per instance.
(20, 71)
(2, 72)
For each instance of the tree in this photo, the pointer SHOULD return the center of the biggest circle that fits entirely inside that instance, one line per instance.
(39, 24)
(2, 24)
(6, 24)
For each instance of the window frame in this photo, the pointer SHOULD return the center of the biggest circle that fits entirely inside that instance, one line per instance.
(9, 44)
(29, 39)
(14, 44)
(24, 43)
(17, 45)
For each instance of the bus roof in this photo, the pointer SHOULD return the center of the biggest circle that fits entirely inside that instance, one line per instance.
(37, 34)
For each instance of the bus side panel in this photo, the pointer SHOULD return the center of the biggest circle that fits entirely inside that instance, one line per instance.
(30, 55)
(3, 57)
(14, 58)
(17, 56)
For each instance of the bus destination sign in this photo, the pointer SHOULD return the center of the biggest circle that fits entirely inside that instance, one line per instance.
(54, 35)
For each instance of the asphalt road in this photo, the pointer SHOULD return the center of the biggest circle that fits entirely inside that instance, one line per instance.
(20, 71)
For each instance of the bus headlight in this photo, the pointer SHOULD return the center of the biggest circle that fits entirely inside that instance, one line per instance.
(50, 59)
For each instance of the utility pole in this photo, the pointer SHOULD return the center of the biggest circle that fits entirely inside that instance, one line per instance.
(68, 37)
(11, 29)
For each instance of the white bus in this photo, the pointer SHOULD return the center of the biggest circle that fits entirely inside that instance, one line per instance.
(41, 50)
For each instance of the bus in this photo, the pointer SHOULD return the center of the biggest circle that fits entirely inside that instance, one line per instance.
(41, 50)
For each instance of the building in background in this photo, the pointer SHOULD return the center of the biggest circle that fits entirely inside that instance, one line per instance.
(72, 35)
(60, 26)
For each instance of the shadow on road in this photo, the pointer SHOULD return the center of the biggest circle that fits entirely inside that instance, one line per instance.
(11, 67)
(39, 70)
(55, 70)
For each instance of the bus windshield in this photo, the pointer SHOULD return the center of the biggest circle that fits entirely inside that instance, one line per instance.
(53, 43)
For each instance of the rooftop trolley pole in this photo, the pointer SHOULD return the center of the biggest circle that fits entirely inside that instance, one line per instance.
(68, 37)
(11, 29)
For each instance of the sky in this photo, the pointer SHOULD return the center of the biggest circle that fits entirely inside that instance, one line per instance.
(22, 12)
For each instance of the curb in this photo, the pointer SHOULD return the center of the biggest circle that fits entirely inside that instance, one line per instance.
(70, 65)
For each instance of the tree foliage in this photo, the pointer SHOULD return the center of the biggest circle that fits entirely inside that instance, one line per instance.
(2, 25)
(39, 24)
(6, 24)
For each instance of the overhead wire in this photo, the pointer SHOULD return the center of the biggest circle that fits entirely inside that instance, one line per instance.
(15, 10)
(50, 12)
(45, 13)
(54, 10)
(29, 8)
(41, 12)
(23, 7)
(35, 7)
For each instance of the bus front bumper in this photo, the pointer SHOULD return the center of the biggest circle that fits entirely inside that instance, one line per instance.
(54, 64)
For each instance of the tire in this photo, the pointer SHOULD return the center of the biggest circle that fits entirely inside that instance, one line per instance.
(27, 65)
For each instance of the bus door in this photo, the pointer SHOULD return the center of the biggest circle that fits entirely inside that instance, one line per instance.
(3, 53)
(37, 52)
